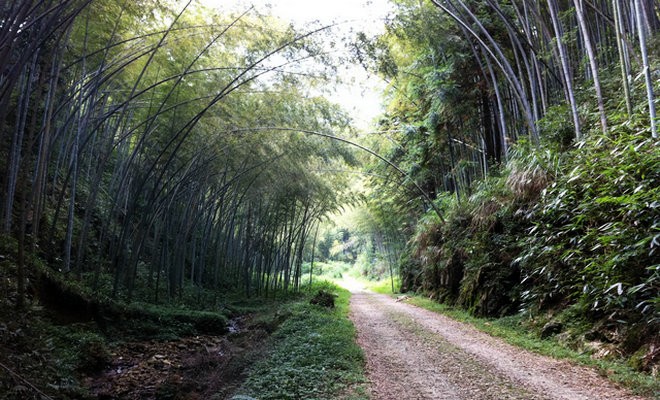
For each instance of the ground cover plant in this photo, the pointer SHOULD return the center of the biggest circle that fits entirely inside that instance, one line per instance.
(313, 354)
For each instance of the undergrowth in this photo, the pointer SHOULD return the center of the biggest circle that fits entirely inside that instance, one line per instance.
(384, 286)
(313, 355)
(556, 232)
(65, 332)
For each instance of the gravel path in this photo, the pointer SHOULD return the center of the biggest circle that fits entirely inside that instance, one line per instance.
(413, 353)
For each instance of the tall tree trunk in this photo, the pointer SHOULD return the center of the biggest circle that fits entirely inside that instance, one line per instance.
(500, 109)
(593, 64)
(624, 63)
(311, 263)
(16, 150)
(496, 53)
(567, 76)
(641, 30)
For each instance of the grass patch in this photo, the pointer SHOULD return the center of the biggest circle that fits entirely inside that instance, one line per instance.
(512, 330)
(141, 321)
(313, 354)
(383, 286)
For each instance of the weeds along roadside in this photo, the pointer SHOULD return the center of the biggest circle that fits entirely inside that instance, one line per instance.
(313, 354)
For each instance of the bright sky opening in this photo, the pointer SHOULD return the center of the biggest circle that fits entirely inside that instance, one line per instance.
(360, 95)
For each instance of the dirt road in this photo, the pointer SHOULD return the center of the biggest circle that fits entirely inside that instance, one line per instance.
(417, 354)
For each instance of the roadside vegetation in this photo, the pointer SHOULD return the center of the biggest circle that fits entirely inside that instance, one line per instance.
(160, 165)
(166, 168)
(313, 354)
(531, 167)
(277, 348)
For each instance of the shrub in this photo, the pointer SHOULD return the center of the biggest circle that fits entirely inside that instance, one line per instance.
(596, 233)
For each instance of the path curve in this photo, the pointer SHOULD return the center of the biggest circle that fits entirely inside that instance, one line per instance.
(413, 353)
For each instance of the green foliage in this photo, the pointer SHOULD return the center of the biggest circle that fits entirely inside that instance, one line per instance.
(556, 129)
(78, 348)
(147, 321)
(314, 355)
(384, 286)
(328, 270)
(372, 265)
(323, 298)
(538, 225)
(465, 258)
(188, 123)
(577, 231)
(595, 234)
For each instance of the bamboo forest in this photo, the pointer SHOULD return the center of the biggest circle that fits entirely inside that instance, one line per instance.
(390, 199)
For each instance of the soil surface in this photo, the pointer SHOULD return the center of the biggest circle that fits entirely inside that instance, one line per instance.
(413, 353)
(192, 368)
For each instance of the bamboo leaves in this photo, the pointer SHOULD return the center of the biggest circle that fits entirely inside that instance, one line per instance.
(141, 168)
